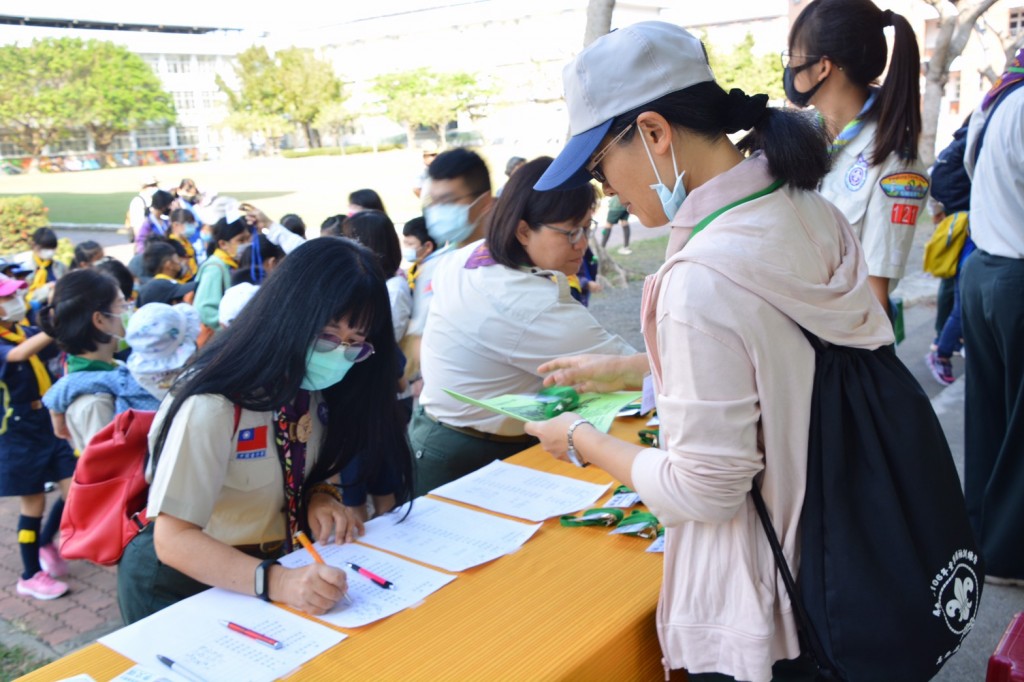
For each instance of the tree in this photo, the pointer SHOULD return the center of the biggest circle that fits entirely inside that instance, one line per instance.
(742, 69)
(335, 117)
(599, 20)
(120, 93)
(293, 85)
(428, 98)
(1008, 42)
(956, 21)
(41, 91)
(307, 85)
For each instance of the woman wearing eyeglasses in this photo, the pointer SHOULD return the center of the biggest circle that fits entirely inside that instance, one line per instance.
(501, 307)
(245, 441)
(755, 255)
(876, 180)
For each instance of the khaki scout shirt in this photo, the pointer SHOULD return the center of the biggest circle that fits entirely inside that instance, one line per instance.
(231, 485)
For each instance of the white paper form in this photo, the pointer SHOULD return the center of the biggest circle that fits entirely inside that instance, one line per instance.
(190, 634)
(412, 582)
(522, 492)
(447, 536)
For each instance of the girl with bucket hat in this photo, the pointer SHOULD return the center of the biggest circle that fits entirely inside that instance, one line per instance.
(754, 255)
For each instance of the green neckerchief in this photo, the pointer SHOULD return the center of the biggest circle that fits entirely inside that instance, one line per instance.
(77, 364)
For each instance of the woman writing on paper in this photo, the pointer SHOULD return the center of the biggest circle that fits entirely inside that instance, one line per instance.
(755, 254)
(297, 383)
(501, 307)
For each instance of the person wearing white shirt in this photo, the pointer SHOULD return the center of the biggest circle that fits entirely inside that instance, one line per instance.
(991, 288)
(501, 307)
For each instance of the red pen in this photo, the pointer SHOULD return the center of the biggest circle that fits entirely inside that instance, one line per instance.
(377, 580)
(252, 634)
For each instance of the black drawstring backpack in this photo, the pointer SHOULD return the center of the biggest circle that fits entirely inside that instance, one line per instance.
(890, 574)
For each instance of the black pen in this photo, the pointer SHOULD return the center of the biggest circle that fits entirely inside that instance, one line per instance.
(180, 669)
(376, 579)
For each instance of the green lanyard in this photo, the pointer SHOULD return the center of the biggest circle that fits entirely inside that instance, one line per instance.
(756, 195)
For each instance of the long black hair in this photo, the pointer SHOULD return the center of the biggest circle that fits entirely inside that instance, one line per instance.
(851, 34)
(258, 363)
(374, 230)
(795, 146)
(520, 201)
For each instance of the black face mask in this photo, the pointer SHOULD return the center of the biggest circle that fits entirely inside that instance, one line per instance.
(800, 99)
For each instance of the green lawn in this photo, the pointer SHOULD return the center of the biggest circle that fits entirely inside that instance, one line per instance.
(15, 662)
(314, 187)
(68, 207)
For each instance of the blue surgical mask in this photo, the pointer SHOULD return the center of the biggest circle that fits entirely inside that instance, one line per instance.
(325, 368)
(449, 223)
(671, 201)
(409, 254)
(206, 237)
(190, 231)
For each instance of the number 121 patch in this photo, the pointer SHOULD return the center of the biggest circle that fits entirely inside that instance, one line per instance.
(904, 214)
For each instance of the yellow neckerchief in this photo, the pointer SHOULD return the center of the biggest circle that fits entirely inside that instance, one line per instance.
(41, 275)
(223, 255)
(190, 258)
(163, 276)
(16, 336)
(574, 283)
(414, 271)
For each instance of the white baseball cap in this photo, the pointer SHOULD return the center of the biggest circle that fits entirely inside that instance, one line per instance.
(616, 73)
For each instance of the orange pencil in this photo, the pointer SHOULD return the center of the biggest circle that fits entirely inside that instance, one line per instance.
(308, 546)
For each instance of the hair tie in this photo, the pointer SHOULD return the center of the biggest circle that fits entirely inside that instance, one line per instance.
(887, 18)
(744, 111)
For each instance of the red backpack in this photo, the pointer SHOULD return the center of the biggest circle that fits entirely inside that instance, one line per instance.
(106, 505)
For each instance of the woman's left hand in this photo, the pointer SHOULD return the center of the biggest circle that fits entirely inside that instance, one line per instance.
(554, 434)
(328, 516)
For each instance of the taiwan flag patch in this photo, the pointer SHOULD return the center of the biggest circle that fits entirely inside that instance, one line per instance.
(252, 443)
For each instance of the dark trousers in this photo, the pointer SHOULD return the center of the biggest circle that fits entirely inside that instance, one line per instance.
(796, 670)
(441, 454)
(992, 298)
(145, 585)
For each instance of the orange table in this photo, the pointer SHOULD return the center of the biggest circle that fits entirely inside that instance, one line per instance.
(571, 604)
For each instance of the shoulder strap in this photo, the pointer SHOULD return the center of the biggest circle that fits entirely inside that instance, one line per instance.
(988, 117)
(825, 670)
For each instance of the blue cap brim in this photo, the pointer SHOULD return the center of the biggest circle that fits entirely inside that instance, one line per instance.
(568, 170)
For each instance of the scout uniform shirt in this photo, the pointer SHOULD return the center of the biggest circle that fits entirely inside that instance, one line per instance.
(881, 202)
(228, 484)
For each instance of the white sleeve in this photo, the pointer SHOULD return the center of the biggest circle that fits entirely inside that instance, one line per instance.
(401, 304)
(283, 237)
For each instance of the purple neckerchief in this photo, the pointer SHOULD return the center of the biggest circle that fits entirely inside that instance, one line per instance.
(480, 258)
(1013, 73)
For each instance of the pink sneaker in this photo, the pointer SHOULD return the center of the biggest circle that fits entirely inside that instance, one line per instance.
(52, 562)
(41, 586)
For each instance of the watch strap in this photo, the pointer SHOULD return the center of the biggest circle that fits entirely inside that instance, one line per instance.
(262, 584)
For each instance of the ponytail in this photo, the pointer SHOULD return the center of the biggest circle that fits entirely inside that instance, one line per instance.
(899, 99)
(824, 28)
(795, 146)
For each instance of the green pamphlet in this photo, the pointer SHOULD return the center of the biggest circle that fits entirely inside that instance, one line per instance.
(598, 408)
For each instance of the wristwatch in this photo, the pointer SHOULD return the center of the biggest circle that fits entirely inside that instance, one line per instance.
(574, 456)
(262, 585)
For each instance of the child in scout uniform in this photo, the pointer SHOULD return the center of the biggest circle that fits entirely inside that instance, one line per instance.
(30, 455)
(877, 179)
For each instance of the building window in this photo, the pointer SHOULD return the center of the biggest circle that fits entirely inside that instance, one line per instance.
(1016, 21)
(952, 93)
(179, 65)
(184, 101)
(188, 136)
(152, 137)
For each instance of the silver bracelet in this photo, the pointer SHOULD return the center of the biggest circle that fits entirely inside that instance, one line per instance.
(574, 456)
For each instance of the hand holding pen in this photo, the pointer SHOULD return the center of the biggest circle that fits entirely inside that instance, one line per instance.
(314, 589)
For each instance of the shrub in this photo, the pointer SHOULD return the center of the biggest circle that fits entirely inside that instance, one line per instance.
(19, 218)
(336, 151)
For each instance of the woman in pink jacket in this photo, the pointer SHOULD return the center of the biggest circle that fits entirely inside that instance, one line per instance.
(755, 254)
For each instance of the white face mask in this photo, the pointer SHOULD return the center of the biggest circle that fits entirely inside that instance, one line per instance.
(672, 200)
(14, 310)
(409, 254)
(46, 254)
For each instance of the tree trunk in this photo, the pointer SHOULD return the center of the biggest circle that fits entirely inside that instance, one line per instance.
(442, 139)
(599, 20)
(956, 21)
